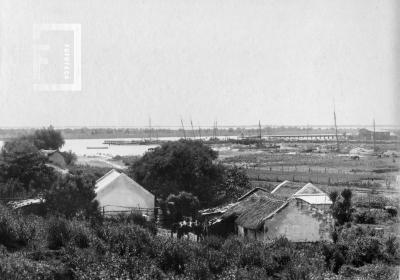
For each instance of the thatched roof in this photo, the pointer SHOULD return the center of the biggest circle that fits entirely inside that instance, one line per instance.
(252, 211)
(256, 191)
(215, 210)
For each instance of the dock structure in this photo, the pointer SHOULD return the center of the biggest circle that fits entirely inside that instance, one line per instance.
(304, 137)
(131, 142)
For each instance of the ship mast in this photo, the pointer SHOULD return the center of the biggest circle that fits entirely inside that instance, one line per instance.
(374, 136)
(183, 128)
(150, 128)
(336, 130)
(191, 124)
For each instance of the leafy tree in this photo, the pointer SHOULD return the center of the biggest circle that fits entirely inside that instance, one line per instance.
(69, 157)
(48, 138)
(341, 208)
(182, 205)
(20, 160)
(333, 196)
(183, 165)
(71, 196)
(235, 184)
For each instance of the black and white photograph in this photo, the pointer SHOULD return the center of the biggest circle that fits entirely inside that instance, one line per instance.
(199, 139)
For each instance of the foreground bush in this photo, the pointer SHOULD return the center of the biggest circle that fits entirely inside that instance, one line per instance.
(79, 250)
(61, 232)
(18, 267)
(15, 232)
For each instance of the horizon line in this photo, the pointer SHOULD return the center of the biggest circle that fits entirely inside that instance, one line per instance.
(178, 127)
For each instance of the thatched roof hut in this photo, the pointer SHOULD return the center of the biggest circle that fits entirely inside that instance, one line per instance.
(252, 211)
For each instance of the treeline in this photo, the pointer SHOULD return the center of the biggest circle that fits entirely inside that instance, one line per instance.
(85, 132)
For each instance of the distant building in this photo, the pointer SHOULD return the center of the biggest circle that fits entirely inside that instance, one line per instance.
(55, 157)
(118, 193)
(368, 135)
(358, 151)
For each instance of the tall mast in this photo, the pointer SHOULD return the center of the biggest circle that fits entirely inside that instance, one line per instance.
(336, 130)
(150, 128)
(259, 129)
(374, 137)
(184, 132)
(191, 124)
(213, 130)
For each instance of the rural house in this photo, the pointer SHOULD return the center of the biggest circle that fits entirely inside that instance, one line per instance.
(54, 157)
(299, 214)
(118, 193)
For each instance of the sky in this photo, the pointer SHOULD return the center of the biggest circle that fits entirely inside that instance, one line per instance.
(283, 62)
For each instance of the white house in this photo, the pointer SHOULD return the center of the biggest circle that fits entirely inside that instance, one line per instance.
(118, 193)
(308, 194)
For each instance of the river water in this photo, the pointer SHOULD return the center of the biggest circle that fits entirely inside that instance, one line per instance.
(80, 147)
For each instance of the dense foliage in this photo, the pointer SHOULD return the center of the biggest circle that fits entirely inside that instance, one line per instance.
(188, 166)
(179, 166)
(23, 169)
(341, 206)
(47, 138)
(57, 248)
(71, 196)
(182, 205)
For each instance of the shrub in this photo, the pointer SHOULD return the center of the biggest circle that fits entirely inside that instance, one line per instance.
(127, 239)
(15, 231)
(81, 234)
(198, 270)
(217, 261)
(133, 218)
(58, 233)
(251, 255)
(173, 256)
(392, 248)
(379, 271)
(364, 250)
(334, 258)
(364, 217)
(232, 248)
(213, 242)
(17, 266)
(392, 211)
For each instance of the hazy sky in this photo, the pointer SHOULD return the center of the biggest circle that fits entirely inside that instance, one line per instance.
(235, 61)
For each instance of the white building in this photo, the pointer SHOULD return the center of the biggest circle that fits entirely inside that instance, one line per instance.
(118, 193)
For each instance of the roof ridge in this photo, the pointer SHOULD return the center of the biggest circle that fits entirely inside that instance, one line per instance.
(105, 175)
(251, 191)
(280, 185)
(308, 185)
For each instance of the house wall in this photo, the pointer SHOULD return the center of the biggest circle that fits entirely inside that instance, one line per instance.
(299, 223)
(303, 204)
(123, 193)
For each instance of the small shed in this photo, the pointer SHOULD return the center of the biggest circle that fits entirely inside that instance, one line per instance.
(118, 193)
